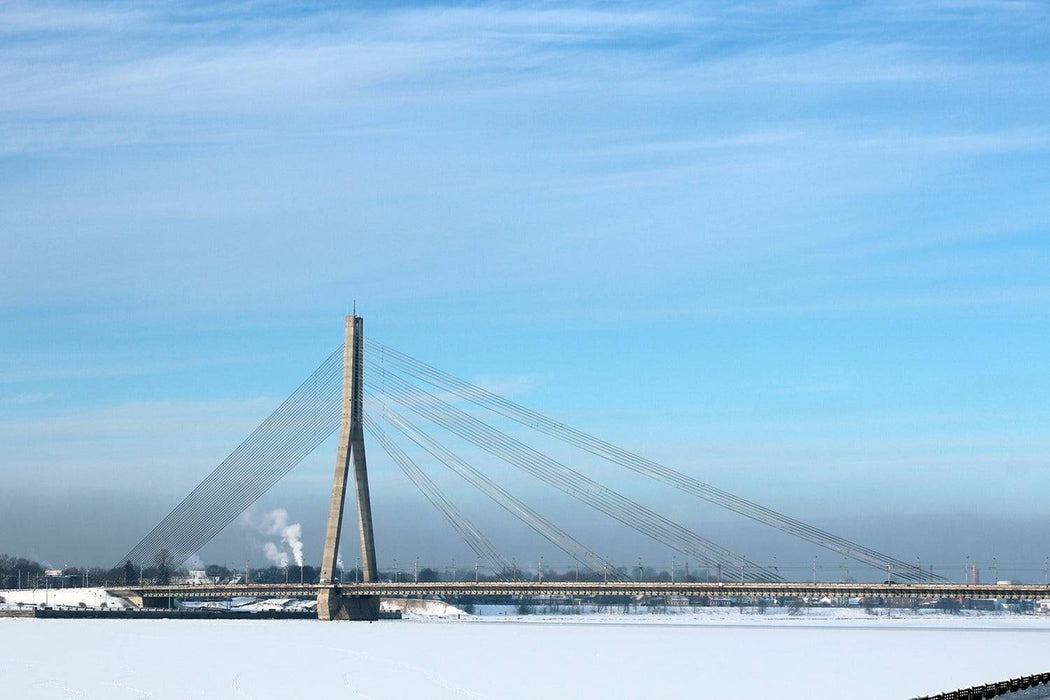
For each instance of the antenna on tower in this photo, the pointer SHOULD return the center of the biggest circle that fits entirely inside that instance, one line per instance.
(355, 307)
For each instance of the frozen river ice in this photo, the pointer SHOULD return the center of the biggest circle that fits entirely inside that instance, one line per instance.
(609, 657)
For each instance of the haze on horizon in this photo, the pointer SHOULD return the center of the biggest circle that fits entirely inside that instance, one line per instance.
(799, 250)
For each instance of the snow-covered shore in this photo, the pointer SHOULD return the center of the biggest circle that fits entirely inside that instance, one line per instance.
(60, 598)
(490, 656)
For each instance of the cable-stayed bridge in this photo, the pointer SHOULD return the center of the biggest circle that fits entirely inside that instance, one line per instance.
(160, 596)
(368, 387)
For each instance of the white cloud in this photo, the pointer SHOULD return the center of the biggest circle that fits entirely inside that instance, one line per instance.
(171, 444)
(717, 135)
(27, 398)
(107, 76)
(142, 421)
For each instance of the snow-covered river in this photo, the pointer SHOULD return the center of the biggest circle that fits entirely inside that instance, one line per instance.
(705, 655)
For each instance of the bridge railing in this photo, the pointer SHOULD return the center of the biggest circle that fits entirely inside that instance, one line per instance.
(619, 588)
(991, 690)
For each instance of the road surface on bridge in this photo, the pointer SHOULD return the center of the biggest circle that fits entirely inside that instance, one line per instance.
(582, 589)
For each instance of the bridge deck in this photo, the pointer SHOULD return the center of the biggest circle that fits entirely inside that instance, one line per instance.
(591, 589)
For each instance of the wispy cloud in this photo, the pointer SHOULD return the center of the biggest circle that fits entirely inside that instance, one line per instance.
(27, 399)
(765, 117)
(140, 422)
(17, 369)
(75, 77)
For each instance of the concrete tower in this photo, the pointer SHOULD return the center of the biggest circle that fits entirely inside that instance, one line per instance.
(331, 604)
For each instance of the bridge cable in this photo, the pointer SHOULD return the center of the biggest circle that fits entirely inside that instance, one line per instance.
(598, 447)
(225, 507)
(614, 505)
(600, 500)
(541, 525)
(470, 534)
(282, 440)
(230, 491)
(207, 509)
(232, 470)
(568, 480)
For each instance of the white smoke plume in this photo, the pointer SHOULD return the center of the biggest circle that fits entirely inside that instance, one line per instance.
(293, 536)
(275, 555)
(275, 523)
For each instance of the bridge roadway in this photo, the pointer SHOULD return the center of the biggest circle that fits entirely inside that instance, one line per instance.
(137, 594)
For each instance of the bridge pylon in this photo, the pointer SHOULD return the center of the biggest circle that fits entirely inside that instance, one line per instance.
(331, 603)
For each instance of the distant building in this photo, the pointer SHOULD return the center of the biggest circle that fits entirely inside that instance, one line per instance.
(198, 577)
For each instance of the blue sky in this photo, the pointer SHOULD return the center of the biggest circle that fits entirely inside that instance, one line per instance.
(797, 249)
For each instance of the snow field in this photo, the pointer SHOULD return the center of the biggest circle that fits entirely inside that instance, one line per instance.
(644, 656)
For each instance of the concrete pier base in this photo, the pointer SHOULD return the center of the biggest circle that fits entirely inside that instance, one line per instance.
(137, 600)
(332, 605)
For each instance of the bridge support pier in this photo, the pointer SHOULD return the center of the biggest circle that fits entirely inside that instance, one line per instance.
(158, 602)
(332, 605)
(141, 601)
